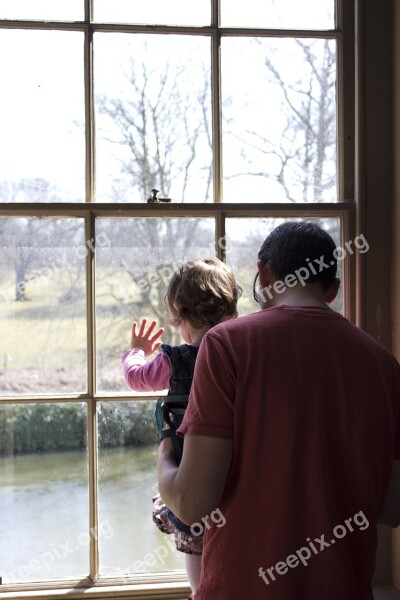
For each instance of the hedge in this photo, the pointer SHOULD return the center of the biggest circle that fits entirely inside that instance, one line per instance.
(28, 428)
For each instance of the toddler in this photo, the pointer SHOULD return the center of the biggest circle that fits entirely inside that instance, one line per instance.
(200, 294)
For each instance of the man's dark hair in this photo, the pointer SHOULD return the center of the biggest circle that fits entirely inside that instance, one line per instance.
(293, 245)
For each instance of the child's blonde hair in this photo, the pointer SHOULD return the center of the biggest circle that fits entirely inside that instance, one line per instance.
(203, 292)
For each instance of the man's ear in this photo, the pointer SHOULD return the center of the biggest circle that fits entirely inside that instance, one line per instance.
(332, 290)
(266, 276)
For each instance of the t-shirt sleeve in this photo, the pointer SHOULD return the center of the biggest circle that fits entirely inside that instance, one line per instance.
(144, 376)
(212, 395)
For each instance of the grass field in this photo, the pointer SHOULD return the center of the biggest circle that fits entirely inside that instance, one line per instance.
(43, 339)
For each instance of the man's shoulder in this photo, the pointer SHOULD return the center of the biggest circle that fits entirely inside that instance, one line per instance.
(378, 348)
(341, 330)
(237, 324)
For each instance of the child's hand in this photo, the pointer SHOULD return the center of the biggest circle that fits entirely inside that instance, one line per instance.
(144, 339)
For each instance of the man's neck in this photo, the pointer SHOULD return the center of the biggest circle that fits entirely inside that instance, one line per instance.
(301, 302)
(312, 295)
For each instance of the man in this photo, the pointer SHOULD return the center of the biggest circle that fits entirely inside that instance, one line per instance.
(291, 430)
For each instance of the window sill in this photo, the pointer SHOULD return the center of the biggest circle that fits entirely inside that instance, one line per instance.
(178, 591)
(143, 591)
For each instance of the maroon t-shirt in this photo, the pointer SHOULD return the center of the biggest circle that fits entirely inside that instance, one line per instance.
(313, 407)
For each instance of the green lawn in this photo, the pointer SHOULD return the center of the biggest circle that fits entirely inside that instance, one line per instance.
(43, 338)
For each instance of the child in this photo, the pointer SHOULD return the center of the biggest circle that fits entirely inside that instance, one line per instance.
(200, 294)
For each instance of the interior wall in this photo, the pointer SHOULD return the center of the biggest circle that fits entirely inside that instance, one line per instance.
(377, 193)
(396, 247)
(378, 166)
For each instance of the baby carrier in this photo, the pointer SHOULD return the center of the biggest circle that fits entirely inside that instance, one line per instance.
(171, 408)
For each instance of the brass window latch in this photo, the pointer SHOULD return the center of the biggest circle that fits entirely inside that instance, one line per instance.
(153, 198)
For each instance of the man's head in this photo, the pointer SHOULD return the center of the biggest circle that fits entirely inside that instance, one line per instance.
(299, 254)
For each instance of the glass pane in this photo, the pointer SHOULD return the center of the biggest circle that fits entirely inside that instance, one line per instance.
(44, 531)
(154, 12)
(279, 14)
(42, 143)
(131, 542)
(279, 144)
(135, 259)
(243, 241)
(153, 117)
(58, 10)
(42, 306)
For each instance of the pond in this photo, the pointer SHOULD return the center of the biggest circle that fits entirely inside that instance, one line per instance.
(44, 531)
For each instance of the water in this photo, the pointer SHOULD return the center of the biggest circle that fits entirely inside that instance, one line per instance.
(44, 516)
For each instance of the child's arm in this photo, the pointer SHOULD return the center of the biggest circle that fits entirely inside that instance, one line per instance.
(139, 375)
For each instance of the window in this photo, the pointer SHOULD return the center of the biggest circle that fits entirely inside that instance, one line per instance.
(237, 116)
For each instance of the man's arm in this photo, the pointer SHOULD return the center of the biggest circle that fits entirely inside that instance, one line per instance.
(195, 489)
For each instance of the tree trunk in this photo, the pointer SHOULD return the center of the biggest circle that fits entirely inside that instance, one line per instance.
(20, 281)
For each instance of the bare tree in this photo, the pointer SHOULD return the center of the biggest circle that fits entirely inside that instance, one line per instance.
(163, 129)
(159, 125)
(304, 158)
(23, 237)
(163, 125)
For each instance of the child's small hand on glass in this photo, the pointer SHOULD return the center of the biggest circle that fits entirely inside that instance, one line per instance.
(146, 340)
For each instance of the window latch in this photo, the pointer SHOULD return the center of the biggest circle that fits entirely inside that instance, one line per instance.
(153, 198)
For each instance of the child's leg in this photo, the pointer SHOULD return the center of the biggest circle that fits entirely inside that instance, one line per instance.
(192, 564)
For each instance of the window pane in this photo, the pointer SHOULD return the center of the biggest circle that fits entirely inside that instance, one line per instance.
(279, 14)
(60, 10)
(153, 117)
(243, 241)
(154, 12)
(131, 542)
(279, 144)
(135, 259)
(42, 306)
(42, 144)
(44, 531)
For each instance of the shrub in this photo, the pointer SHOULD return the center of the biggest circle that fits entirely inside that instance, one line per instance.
(32, 428)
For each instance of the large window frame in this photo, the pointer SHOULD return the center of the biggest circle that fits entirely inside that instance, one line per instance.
(172, 585)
